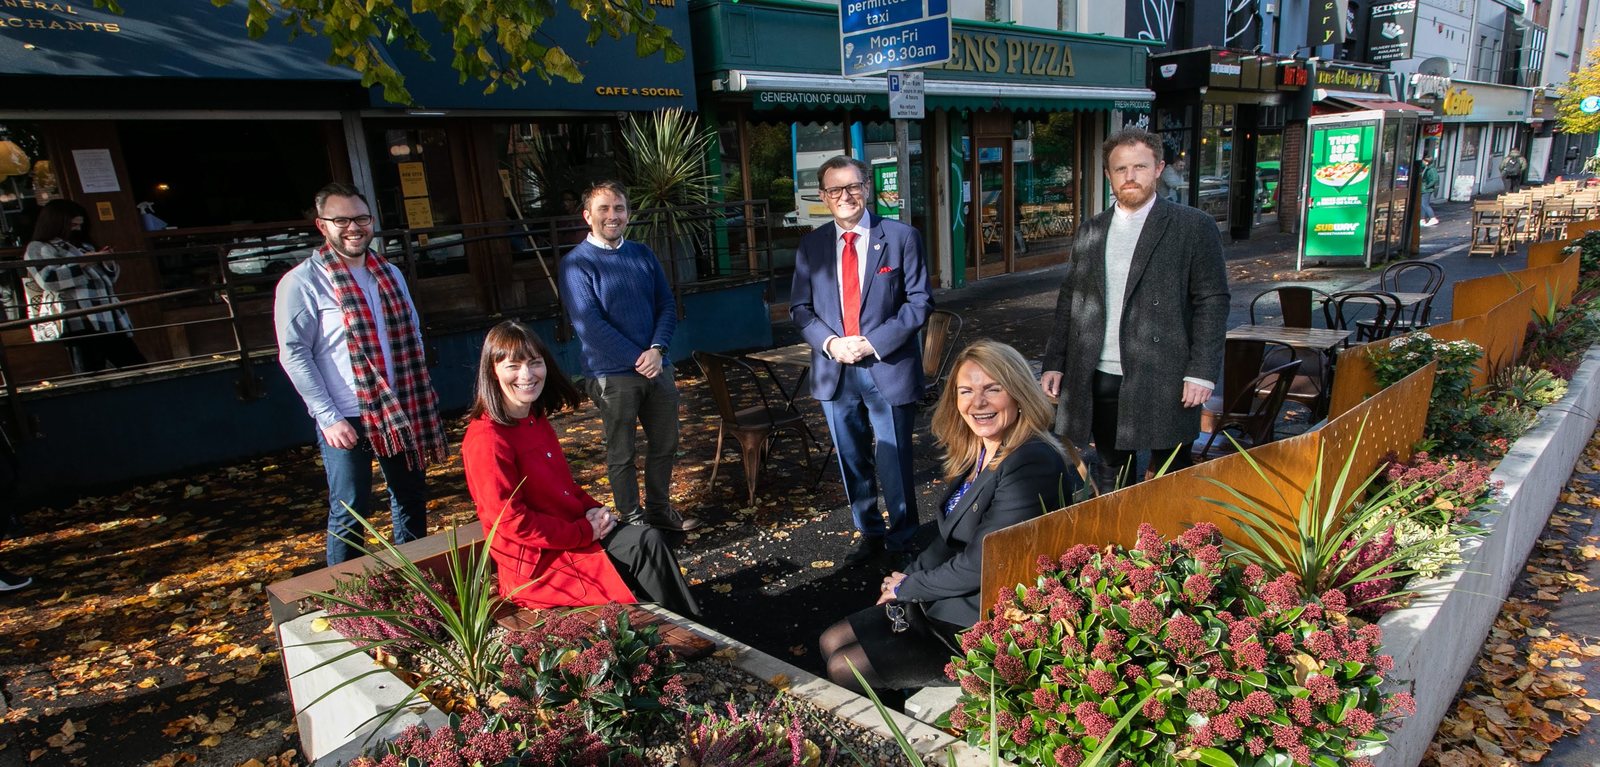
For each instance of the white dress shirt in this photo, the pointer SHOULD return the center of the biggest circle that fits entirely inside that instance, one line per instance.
(863, 237)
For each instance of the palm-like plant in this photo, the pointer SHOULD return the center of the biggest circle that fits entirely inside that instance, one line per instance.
(1323, 544)
(666, 167)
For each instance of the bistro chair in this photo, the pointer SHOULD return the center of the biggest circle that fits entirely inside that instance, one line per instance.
(939, 337)
(1250, 417)
(1488, 229)
(1398, 276)
(745, 410)
(1346, 309)
(1295, 302)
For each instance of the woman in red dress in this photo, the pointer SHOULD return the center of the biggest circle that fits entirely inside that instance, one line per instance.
(553, 545)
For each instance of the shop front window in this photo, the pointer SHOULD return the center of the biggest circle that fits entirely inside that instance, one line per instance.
(1471, 135)
(414, 187)
(1215, 163)
(813, 144)
(1175, 127)
(895, 199)
(1043, 155)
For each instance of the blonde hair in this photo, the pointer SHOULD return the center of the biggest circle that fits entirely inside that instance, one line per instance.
(1035, 413)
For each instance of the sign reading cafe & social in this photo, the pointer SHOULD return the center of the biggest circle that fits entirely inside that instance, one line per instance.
(1340, 190)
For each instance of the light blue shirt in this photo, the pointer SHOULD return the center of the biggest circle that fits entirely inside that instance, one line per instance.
(313, 345)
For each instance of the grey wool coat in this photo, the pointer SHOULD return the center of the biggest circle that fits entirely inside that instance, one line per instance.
(1174, 323)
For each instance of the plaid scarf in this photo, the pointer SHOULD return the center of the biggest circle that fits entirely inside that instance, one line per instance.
(400, 415)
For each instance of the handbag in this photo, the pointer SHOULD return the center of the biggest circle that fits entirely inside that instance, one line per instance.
(42, 303)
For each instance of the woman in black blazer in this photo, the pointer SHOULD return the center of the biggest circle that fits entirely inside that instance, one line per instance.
(1003, 467)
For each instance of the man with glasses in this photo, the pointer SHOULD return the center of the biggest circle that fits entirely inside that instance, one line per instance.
(860, 296)
(350, 342)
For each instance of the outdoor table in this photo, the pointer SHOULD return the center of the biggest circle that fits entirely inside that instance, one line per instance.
(1319, 340)
(794, 355)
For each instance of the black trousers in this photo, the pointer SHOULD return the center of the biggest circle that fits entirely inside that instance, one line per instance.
(648, 566)
(1103, 425)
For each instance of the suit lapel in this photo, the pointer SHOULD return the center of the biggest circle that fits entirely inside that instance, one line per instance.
(984, 480)
(1155, 225)
(873, 255)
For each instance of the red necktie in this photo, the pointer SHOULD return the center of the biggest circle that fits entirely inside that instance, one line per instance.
(850, 296)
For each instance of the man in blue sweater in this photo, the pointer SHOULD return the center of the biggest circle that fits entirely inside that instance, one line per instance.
(622, 308)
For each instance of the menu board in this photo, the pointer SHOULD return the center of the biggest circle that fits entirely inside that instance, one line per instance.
(1338, 200)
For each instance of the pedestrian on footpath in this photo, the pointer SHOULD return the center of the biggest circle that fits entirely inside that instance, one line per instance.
(622, 308)
(1511, 171)
(350, 341)
(1141, 319)
(860, 296)
(1430, 184)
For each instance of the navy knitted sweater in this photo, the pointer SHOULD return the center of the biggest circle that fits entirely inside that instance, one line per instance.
(619, 302)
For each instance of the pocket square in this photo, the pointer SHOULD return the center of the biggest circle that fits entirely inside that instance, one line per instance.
(885, 269)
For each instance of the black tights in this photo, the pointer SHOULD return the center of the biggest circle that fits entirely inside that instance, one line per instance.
(840, 649)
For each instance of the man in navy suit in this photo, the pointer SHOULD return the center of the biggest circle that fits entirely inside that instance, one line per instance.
(860, 296)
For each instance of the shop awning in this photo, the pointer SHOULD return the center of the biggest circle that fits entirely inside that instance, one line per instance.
(816, 91)
(1358, 100)
(187, 40)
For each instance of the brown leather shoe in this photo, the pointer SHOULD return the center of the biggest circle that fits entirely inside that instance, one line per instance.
(670, 520)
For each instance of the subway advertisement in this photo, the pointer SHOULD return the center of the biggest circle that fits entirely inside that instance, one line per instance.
(1339, 195)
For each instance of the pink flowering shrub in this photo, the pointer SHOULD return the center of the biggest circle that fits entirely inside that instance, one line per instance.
(1448, 488)
(620, 680)
(377, 603)
(1198, 657)
(517, 734)
(767, 737)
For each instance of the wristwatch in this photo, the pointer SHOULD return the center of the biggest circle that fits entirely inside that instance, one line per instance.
(660, 348)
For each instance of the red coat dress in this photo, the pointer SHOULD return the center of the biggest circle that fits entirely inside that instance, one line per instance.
(543, 546)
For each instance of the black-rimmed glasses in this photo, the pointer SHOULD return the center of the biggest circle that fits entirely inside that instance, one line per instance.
(345, 221)
(835, 192)
(897, 617)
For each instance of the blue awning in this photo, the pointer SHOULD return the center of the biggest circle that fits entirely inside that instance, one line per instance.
(190, 39)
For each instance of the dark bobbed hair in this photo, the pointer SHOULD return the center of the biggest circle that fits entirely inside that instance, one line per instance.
(842, 161)
(1010, 369)
(1130, 137)
(513, 340)
(55, 220)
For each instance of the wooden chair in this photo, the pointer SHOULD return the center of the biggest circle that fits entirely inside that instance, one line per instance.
(1488, 229)
(939, 338)
(1346, 308)
(1254, 418)
(1557, 214)
(1394, 279)
(1295, 302)
(754, 418)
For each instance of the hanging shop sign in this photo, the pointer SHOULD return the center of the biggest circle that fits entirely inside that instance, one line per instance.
(1326, 23)
(1390, 29)
(1334, 77)
(1340, 189)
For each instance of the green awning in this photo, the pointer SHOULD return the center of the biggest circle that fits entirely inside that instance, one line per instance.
(795, 91)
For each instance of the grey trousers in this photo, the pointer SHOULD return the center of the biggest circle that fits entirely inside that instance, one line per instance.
(626, 400)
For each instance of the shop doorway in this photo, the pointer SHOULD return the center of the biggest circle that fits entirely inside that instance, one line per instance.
(992, 205)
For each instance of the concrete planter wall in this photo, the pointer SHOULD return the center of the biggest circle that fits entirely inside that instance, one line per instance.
(1435, 641)
(332, 730)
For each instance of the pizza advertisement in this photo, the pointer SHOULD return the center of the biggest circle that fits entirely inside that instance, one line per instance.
(1338, 204)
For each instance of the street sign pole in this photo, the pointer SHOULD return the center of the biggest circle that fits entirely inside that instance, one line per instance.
(887, 35)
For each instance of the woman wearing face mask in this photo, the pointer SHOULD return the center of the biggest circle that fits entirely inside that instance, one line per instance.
(94, 341)
(553, 545)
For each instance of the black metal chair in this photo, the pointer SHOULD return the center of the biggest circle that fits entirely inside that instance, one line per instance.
(1295, 302)
(1395, 278)
(745, 410)
(1348, 310)
(1251, 416)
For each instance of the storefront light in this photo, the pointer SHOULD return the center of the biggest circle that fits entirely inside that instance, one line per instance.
(13, 161)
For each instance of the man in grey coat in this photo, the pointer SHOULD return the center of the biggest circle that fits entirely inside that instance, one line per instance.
(1134, 370)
